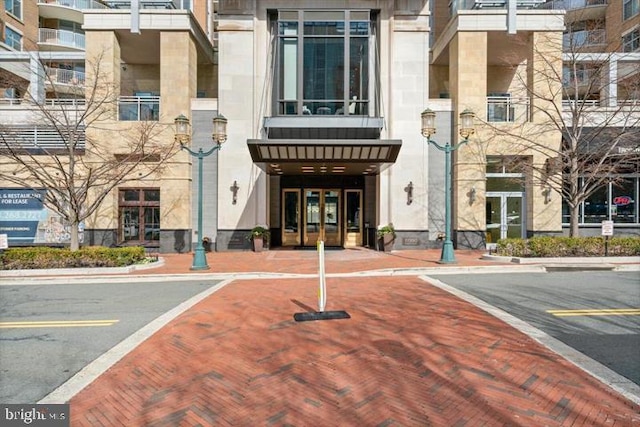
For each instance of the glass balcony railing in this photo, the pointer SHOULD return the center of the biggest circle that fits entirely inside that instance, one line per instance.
(572, 4)
(62, 38)
(457, 5)
(67, 77)
(578, 39)
(151, 4)
(139, 108)
(76, 4)
(507, 109)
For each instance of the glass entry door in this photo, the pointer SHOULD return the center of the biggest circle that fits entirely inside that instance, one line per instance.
(505, 216)
(353, 218)
(322, 217)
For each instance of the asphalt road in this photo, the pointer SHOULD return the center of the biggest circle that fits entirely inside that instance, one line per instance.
(549, 302)
(37, 358)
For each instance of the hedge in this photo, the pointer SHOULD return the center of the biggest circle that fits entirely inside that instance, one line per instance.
(545, 246)
(91, 256)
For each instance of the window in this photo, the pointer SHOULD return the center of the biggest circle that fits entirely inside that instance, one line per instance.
(615, 201)
(14, 7)
(13, 38)
(139, 213)
(631, 41)
(323, 62)
(630, 8)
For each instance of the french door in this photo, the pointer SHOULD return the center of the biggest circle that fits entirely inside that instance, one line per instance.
(505, 216)
(322, 217)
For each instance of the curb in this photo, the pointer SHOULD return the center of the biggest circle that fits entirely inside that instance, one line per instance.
(80, 271)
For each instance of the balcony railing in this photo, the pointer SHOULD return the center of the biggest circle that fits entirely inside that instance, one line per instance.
(584, 38)
(76, 4)
(588, 103)
(67, 77)
(507, 109)
(53, 102)
(572, 4)
(62, 38)
(35, 137)
(456, 5)
(151, 4)
(137, 108)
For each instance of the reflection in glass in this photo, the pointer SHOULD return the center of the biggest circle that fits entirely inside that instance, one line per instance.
(313, 212)
(623, 201)
(596, 207)
(130, 224)
(353, 211)
(494, 218)
(291, 212)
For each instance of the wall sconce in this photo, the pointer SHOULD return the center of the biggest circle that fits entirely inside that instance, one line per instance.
(409, 190)
(234, 189)
(472, 195)
(547, 195)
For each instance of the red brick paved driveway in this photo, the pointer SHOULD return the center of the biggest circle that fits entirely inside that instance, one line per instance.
(411, 355)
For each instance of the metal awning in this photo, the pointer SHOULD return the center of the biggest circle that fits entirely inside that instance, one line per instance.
(318, 156)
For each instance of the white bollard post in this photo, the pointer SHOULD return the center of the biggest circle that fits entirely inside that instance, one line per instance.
(322, 286)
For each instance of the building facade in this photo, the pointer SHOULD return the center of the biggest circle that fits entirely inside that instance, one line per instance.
(323, 101)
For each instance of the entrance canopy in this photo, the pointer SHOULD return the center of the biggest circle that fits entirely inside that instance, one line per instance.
(324, 156)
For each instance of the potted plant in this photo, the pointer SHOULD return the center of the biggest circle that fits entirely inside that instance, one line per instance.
(258, 235)
(386, 237)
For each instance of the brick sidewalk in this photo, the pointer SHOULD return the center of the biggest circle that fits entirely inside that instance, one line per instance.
(306, 261)
(411, 355)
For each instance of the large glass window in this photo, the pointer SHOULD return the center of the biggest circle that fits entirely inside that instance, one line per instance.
(14, 7)
(630, 8)
(139, 213)
(323, 62)
(13, 38)
(631, 41)
(615, 201)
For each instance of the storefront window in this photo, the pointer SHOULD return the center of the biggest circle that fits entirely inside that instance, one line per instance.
(614, 201)
(623, 201)
(596, 207)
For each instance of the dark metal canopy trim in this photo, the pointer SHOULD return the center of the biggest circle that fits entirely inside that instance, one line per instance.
(353, 155)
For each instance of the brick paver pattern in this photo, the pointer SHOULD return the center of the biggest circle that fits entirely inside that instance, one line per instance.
(410, 355)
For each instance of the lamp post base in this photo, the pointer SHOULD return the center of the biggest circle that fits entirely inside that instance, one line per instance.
(199, 259)
(447, 256)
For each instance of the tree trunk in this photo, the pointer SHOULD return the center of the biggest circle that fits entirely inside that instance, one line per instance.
(75, 241)
(574, 231)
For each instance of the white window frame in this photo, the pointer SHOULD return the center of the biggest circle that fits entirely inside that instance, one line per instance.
(6, 39)
(633, 6)
(634, 35)
(12, 11)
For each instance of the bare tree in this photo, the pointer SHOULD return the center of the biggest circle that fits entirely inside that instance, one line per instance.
(596, 122)
(71, 157)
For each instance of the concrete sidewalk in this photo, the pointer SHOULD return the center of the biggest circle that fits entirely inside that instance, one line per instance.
(412, 354)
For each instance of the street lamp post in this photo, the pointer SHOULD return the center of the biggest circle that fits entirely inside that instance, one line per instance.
(183, 136)
(466, 130)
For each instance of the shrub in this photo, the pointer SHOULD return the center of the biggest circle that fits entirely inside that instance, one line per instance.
(91, 256)
(545, 246)
(259, 231)
(386, 229)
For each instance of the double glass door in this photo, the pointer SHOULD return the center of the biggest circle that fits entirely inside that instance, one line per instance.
(331, 215)
(322, 217)
(505, 216)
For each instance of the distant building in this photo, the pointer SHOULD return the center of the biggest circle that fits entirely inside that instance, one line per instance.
(323, 101)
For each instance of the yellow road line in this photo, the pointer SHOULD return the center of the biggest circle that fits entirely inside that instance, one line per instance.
(596, 312)
(57, 324)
